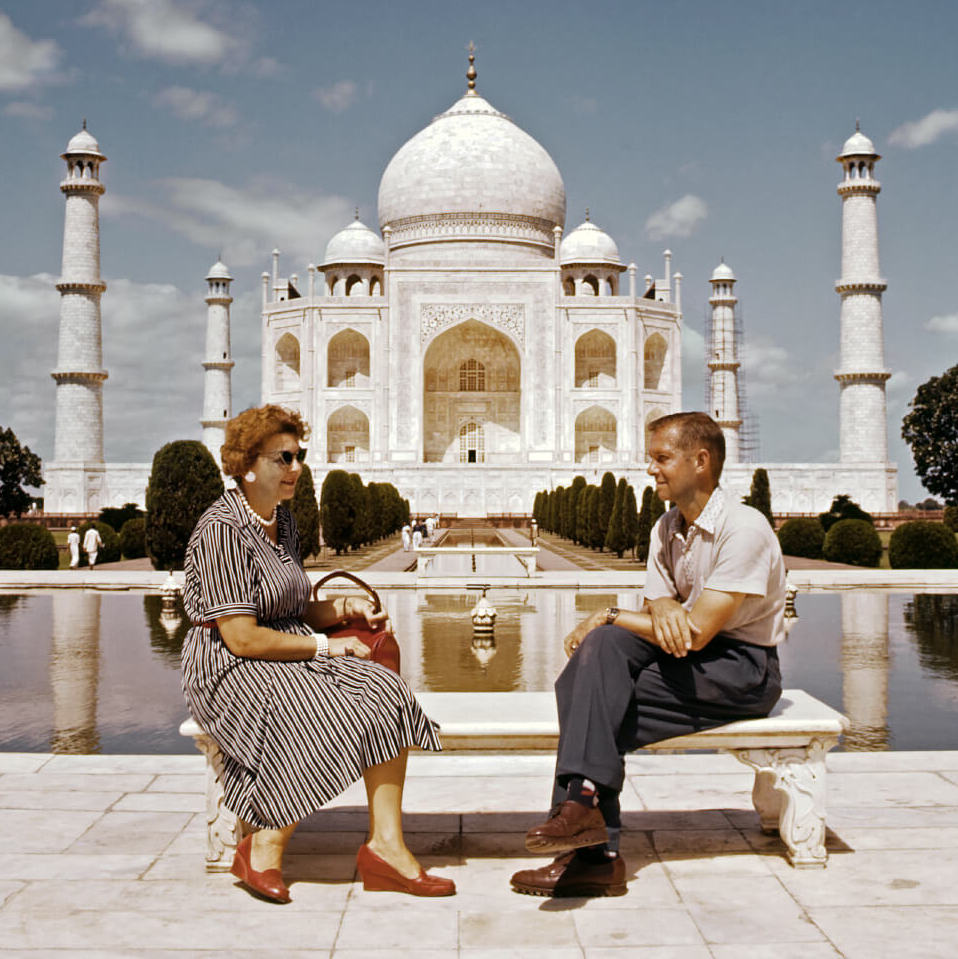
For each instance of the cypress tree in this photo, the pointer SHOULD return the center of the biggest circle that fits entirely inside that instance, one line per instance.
(631, 518)
(569, 512)
(644, 526)
(184, 482)
(337, 510)
(596, 533)
(555, 518)
(606, 502)
(582, 516)
(305, 510)
(760, 495)
(615, 536)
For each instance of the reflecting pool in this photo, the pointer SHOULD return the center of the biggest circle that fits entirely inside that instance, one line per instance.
(90, 671)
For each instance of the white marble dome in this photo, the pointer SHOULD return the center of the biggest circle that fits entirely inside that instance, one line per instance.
(83, 142)
(588, 244)
(355, 244)
(472, 173)
(858, 145)
(723, 272)
(219, 271)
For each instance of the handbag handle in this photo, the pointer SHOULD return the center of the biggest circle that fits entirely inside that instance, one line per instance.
(353, 578)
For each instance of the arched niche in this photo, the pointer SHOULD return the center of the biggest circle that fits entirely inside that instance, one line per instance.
(656, 350)
(452, 361)
(347, 436)
(595, 360)
(347, 361)
(286, 363)
(650, 417)
(354, 285)
(595, 435)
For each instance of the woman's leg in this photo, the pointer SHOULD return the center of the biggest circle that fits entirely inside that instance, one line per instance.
(384, 785)
(268, 846)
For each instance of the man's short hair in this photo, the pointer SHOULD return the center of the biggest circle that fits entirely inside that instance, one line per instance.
(695, 431)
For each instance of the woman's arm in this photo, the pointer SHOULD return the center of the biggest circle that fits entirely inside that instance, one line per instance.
(245, 637)
(327, 613)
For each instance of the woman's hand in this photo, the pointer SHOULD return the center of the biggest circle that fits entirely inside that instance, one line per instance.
(348, 646)
(356, 608)
(572, 641)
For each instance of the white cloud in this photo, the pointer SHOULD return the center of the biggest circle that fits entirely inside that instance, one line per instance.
(243, 223)
(769, 368)
(339, 97)
(921, 133)
(199, 105)
(899, 385)
(27, 110)
(947, 323)
(679, 219)
(167, 30)
(24, 63)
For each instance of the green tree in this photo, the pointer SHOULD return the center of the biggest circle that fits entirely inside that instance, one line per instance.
(305, 510)
(596, 533)
(133, 538)
(930, 428)
(582, 532)
(184, 482)
(631, 517)
(569, 513)
(116, 516)
(27, 546)
(843, 507)
(644, 531)
(337, 510)
(616, 538)
(19, 467)
(853, 541)
(802, 536)
(607, 490)
(360, 532)
(923, 545)
(760, 495)
(555, 518)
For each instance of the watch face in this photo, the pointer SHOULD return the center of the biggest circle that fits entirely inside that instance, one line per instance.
(610, 614)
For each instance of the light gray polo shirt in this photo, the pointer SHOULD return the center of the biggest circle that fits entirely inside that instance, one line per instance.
(732, 548)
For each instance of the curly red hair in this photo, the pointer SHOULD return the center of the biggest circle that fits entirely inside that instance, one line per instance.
(247, 432)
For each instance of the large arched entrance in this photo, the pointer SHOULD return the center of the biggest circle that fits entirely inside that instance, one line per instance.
(471, 376)
(347, 436)
(595, 436)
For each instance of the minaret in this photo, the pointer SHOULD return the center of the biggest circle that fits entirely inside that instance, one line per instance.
(722, 361)
(217, 393)
(79, 373)
(861, 373)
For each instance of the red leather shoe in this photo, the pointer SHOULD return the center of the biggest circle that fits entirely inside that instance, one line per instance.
(268, 883)
(378, 876)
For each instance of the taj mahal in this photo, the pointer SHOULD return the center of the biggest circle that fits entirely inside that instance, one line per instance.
(470, 350)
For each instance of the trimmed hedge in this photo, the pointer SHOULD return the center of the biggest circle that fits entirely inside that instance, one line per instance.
(802, 536)
(27, 546)
(133, 538)
(921, 544)
(951, 518)
(853, 541)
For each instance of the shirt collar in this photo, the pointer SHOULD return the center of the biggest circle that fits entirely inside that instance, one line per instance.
(706, 521)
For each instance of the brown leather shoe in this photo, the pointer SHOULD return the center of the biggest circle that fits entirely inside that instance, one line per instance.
(573, 875)
(571, 826)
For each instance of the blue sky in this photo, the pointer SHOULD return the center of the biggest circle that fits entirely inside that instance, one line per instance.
(710, 129)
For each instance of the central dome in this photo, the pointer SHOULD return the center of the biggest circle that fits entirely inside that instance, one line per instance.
(472, 174)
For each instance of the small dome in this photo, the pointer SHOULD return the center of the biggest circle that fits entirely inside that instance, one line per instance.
(84, 142)
(723, 272)
(857, 145)
(219, 271)
(355, 244)
(588, 244)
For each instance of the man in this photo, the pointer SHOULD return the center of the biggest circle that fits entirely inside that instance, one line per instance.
(73, 541)
(700, 653)
(91, 544)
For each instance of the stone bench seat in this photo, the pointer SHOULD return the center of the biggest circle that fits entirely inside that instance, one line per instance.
(786, 750)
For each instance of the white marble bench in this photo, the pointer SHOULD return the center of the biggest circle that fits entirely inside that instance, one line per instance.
(786, 750)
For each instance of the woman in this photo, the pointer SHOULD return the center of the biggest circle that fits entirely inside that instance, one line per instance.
(298, 716)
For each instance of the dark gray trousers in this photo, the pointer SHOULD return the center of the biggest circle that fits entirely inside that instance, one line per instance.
(619, 692)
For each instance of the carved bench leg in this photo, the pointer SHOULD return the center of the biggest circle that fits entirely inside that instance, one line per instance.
(789, 792)
(224, 829)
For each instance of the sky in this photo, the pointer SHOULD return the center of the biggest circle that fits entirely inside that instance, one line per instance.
(233, 128)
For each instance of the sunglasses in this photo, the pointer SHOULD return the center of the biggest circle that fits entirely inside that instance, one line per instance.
(286, 457)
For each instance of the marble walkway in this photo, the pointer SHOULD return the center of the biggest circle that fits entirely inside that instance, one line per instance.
(103, 856)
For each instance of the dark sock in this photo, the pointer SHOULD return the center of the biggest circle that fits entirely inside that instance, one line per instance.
(612, 814)
(596, 854)
(582, 791)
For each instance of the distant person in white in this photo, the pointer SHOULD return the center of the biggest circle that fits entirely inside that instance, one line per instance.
(73, 541)
(430, 526)
(406, 538)
(92, 544)
(417, 536)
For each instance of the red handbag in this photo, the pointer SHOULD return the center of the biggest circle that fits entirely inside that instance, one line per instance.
(383, 647)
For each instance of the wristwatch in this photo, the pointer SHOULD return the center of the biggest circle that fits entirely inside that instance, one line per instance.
(611, 614)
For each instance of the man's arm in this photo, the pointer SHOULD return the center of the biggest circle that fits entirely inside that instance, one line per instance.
(678, 631)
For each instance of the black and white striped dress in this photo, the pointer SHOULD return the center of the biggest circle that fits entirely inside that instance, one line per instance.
(293, 734)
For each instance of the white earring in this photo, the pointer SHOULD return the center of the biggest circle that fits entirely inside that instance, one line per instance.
(250, 477)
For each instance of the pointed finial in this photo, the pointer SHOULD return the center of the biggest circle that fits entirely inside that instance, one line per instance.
(471, 73)
(586, 214)
(858, 125)
(84, 123)
(356, 215)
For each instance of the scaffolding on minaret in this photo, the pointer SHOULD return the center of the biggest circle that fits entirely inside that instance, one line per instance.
(749, 442)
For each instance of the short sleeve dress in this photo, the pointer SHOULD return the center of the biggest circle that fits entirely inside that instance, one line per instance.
(293, 734)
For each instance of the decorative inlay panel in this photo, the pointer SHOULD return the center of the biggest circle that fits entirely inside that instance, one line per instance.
(436, 317)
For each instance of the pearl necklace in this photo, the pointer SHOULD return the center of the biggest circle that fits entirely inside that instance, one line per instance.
(266, 523)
